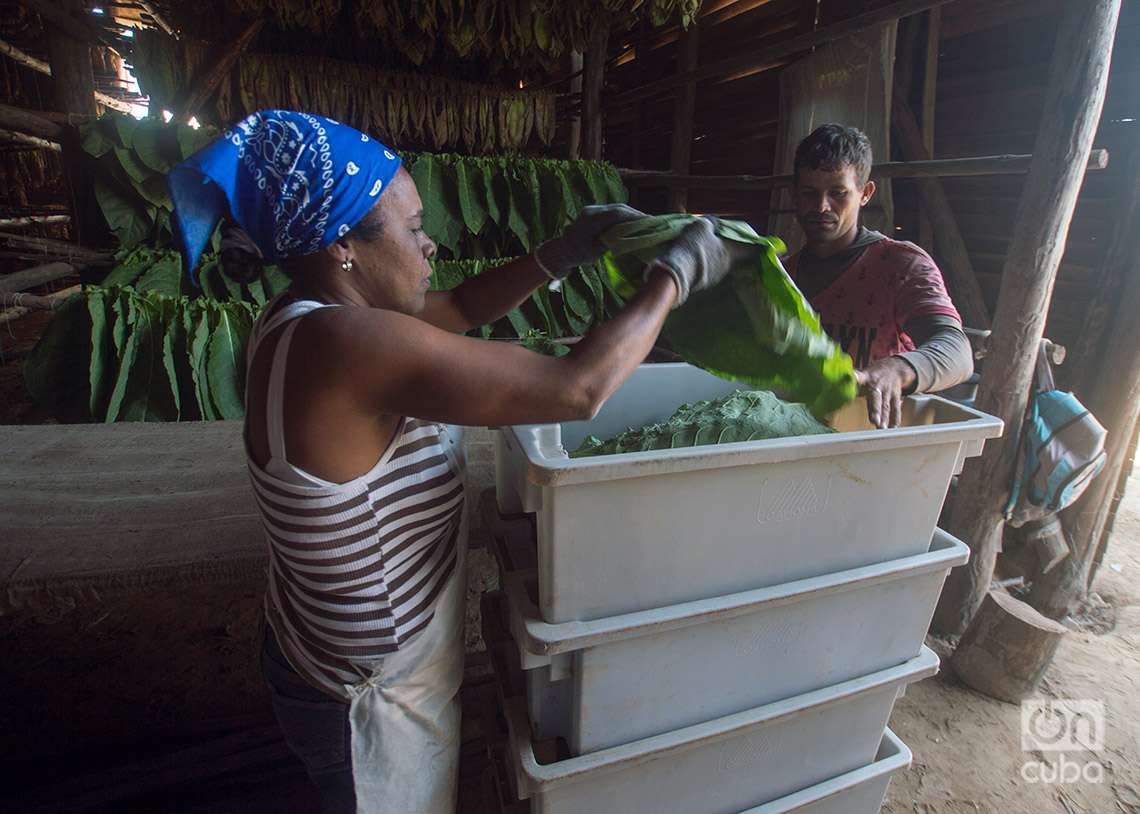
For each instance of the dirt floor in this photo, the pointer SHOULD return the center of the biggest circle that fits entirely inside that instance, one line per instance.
(967, 747)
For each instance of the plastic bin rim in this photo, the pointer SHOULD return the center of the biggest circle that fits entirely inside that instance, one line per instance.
(895, 756)
(539, 778)
(539, 637)
(560, 471)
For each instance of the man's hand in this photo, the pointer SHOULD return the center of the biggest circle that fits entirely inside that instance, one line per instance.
(884, 383)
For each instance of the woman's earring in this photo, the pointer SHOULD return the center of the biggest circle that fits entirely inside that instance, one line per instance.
(346, 265)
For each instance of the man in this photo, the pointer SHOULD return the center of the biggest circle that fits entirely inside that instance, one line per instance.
(882, 300)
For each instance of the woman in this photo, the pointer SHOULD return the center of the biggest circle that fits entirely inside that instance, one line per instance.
(350, 374)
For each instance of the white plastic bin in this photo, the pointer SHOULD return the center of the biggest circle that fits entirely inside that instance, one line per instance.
(612, 681)
(623, 533)
(858, 792)
(723, 766)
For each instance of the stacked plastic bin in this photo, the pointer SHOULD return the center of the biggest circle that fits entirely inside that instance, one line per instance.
(722, 629)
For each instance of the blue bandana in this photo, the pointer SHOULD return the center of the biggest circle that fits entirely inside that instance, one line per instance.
(294, 182)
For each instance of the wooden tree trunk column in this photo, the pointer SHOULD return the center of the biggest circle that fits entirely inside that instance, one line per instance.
(1112, 393)
(681, 149)
(949, 246)
(594, 73)
(1006, 651)
(72, 78)
(1077, 79)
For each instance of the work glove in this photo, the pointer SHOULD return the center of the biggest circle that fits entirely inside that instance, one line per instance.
(579, 244)
(697, 258)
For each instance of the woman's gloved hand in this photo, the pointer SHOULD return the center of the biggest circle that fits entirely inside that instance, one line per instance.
(579, 244)
(697, 258)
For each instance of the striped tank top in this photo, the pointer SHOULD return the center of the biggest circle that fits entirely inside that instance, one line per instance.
(355, 568)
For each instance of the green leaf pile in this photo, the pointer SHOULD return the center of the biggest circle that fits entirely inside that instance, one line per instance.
(149, 357)
(755, 327)
(397, 107)
(742, 416)
(493, 207)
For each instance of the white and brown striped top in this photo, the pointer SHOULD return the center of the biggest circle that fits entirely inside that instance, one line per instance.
(356, 568)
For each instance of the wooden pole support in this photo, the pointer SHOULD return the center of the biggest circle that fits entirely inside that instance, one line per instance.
(1006, 649)
(949, 245)
(38, 65)
(594, 74)
(681, 148)
(1076, 87)
(217, 70)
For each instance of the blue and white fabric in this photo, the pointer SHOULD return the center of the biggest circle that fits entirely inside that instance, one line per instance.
(294, 182)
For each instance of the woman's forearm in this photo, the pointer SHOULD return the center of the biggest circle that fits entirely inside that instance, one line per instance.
(488, 297)
(612, 351)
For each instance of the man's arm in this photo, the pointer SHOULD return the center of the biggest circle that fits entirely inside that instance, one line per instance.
(942, 356)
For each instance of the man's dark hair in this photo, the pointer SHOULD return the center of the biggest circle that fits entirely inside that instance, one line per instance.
(830, 147)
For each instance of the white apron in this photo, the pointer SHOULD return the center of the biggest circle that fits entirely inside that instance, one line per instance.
(405, 717)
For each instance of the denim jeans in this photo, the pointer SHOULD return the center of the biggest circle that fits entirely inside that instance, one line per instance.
(315, 726)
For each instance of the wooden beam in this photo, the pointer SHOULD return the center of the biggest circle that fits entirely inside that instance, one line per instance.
(759, 57)
(159, 20)
(1076, 85)
(1110, 388)
(593, 80)
(29, 123)
(29, 141)
(60, 248)
(35, 276)
(941, 168)
(38, 65)
(949, 245)
(31, 302)
(217, 70)
(681, 148)
(33, 220)
(24, 307)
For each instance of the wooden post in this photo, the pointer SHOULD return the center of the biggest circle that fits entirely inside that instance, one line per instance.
(28, 61)
(1112, 392)
(216, 70)
(1076, 87)
(1007, 649)
(929, 96)
(593, 79)
(681, 149)
(574, 142)
(953, 257)
(70, 59)
(1126, 470)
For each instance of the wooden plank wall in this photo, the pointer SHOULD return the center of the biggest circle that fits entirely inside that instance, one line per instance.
(993, 67)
